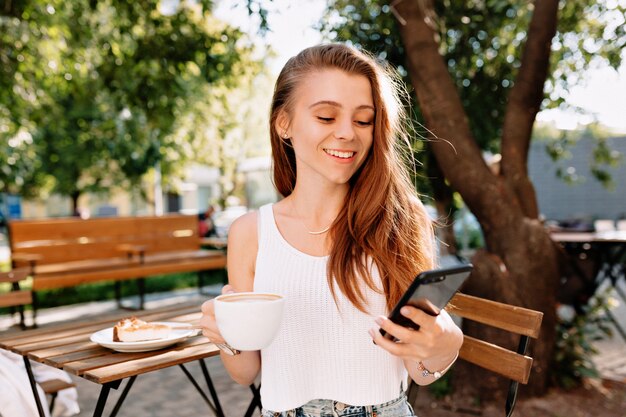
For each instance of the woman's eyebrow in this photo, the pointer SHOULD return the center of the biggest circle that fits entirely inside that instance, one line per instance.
(336, 104)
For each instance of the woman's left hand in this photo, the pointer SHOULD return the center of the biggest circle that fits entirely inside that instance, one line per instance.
(437, 340)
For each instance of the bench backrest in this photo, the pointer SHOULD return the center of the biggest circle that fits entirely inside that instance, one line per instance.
(71, 239)
(521, 321)
(514, 365)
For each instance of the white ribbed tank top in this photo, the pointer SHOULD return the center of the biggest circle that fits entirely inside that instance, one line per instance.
(320, 352)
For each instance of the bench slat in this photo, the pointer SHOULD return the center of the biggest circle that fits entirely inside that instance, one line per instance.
(71, 239)
(14, 276)
(502, 316)
(42, 282)
(16, 298)
(496, 359)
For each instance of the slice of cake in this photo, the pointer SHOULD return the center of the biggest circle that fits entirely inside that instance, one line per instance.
(136, 330)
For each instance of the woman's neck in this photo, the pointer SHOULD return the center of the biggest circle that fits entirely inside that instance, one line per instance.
(318, 206)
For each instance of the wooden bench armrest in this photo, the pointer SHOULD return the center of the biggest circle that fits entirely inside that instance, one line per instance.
(15, 275)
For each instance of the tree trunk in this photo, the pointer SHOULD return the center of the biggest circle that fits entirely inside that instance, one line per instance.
(519, 264)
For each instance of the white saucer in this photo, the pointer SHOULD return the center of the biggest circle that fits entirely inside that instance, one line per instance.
(105, 338)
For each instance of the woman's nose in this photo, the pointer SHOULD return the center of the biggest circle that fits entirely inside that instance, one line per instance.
(344, 129)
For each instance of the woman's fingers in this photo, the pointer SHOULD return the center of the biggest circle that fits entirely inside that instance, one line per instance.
(403, 334)
(207, 321)
(227, 289)
(417, 316)
(413, 344)
(207, 308)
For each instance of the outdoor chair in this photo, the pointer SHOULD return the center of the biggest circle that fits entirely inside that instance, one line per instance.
(514, 365)
(18, 298)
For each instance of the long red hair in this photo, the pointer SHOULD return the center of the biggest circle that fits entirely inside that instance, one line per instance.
(382, 219)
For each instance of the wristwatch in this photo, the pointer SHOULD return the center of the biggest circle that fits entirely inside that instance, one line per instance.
(228, 349)
(436, 374)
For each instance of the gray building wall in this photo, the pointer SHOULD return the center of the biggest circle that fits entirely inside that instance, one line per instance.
(587, 200)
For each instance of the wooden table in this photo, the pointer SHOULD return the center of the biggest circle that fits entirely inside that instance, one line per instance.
(608, 248)
(67, 346)
(610, 245)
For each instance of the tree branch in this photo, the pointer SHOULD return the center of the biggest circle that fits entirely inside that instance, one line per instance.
(524, 103)
(455, 148)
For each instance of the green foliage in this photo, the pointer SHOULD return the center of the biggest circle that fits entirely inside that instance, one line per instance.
(92, 92)
(590, 34)
(572, 360)
(604, 158)
(482, 53)
(558, 146)
(482, 43)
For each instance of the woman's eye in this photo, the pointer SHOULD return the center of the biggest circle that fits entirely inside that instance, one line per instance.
(363, 123)
(325, 119)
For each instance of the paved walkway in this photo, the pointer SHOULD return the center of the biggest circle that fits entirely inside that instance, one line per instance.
(168, 393)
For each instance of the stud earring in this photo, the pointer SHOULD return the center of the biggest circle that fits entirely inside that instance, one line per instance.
(285, 135)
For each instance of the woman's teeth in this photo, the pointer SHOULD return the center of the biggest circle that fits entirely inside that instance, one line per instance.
(339, 154)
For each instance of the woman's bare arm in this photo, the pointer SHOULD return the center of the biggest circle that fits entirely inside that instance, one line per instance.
(242, 251)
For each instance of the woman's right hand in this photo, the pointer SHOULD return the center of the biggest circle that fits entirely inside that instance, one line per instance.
(207, 321)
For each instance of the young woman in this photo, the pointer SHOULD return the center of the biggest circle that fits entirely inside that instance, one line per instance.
(342, 246)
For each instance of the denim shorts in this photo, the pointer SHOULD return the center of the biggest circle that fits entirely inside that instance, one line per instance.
(399, 407)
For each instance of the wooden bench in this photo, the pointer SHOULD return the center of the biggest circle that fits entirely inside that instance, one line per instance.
(66, 252)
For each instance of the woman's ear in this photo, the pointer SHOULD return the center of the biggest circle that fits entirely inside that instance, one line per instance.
(282, 125)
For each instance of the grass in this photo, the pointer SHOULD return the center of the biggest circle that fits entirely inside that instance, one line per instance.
(103, 291)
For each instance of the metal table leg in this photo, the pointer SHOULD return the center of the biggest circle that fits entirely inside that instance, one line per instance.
(256, 400)
(212, 390)
(33, 386)
(104, 394)
(201, 392)
(123, 395)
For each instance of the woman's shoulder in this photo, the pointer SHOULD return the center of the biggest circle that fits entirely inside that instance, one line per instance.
(245, 224)
(243, 244)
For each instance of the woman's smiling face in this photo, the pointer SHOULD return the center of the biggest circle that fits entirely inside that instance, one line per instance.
(332, 125)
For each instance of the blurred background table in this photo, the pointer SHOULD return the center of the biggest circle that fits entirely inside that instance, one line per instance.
(597, 259)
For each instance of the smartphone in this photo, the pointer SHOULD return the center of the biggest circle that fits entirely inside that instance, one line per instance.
(430, 292)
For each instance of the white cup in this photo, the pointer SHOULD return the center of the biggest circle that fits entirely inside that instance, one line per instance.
(249, 320)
